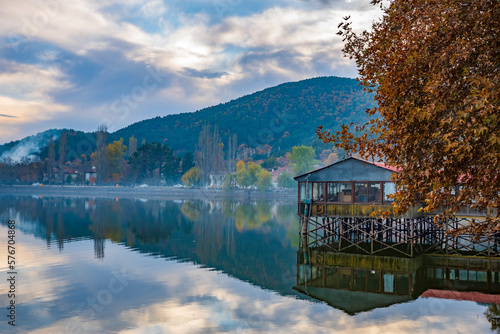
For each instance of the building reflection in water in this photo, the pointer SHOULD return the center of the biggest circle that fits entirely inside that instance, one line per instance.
(356, 283)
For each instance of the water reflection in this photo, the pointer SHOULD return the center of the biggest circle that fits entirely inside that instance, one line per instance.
(189, 266)
(235, 237)
(357, 283)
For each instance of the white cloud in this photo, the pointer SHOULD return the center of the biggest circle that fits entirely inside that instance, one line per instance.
(254, 51)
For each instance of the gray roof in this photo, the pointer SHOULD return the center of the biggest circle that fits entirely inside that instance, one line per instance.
(352, 302)
(350, 169)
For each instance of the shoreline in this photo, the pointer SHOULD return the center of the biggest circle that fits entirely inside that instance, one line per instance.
(151, 192)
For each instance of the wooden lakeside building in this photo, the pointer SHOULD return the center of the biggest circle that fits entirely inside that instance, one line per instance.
(357, 283)
(335, 202)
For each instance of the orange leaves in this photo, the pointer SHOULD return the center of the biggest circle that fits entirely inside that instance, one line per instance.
(435, 67)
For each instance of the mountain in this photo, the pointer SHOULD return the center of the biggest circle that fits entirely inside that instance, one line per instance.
(281, 117)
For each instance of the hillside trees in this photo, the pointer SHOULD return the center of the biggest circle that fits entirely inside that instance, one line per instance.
(285, 180)
(115, 153)
(100, 156)
(63, 141)
(251, 174)
(187, 162)
(191, 177)
(151, 157)
(302, 159)
(435, 69)
(209, 154)
(51, 159)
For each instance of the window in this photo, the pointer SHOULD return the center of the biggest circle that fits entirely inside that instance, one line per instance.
(305, 190)
(318, 195)
(373, 192)
(389, 189)
(332, 191)
(388, 283)
(345, 192)
(361, 192)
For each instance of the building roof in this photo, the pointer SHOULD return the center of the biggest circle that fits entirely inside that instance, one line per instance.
(351, 169)
(472, 296)
(352, 302)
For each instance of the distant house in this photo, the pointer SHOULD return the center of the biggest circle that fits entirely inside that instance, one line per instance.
(91, 175)
(70, 172)
(276, 172)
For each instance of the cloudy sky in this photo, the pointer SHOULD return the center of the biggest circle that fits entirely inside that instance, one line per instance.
(78, 64)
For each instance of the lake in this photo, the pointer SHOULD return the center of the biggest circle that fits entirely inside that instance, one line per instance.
(87, 265)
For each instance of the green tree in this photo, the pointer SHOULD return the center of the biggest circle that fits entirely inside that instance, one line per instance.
(254, 171)
(435, 68)
(191, 177)
(264, 180)
(285, 180)
(302, 159)
(229, 182)
(187, 162)
(270, 163)
(151, 157)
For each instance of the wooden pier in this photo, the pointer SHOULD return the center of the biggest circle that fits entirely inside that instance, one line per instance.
(335, 204)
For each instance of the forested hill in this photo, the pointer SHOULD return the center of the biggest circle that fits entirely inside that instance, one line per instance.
(281, 116)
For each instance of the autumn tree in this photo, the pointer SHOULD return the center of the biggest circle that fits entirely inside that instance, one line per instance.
(115, 153)
(191, 177)
(434, 67)
(242, 175)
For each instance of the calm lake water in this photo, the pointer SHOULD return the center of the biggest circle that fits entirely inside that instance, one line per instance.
(191, 266)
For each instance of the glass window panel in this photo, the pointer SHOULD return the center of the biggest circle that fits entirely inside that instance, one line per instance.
(452, 275)
(389, 189)
(318, 195)
(440, 274)
(345, 192)
(332, 279)
(403, 284)
(373, 192)
(482, 276)
(305, 190)
(361, 192)
(388, 283)
(333, 192)
(360, 280)
(345, 278)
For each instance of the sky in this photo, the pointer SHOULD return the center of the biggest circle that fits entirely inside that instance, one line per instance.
(79, 64)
